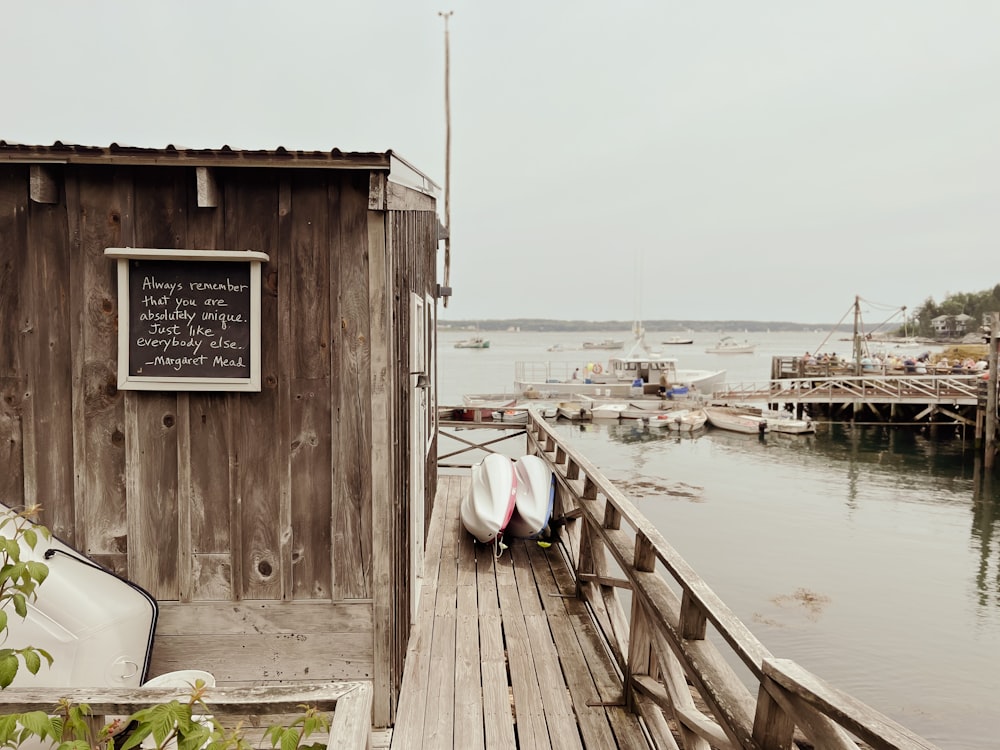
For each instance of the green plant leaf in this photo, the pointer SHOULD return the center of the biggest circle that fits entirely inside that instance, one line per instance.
(290, 740)
(39, 571)
(136, 736)
(30, 537)
(20, 604)
(38, 723)
(31, 660)
(3, 620)
(8, 669)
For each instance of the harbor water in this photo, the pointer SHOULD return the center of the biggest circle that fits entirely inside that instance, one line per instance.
(865, 553)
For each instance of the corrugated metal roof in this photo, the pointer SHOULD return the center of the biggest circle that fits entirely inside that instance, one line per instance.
(225, 156)
(62, 153)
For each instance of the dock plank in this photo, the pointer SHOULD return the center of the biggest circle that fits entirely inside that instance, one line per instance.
(531, 728)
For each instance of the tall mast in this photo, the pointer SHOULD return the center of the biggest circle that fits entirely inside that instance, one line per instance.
(857, 335)
(447, 153)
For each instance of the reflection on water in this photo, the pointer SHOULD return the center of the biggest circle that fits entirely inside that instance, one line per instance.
(868, 554)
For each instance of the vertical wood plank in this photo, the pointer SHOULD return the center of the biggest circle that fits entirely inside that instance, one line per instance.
(252, 225)
(100, 209)
(286, 346)
(307, 297)
(210, 437)
(47, 351)
(352, 479)
(13, 287)
(383, 470)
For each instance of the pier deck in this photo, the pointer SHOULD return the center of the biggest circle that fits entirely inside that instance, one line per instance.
(503, 653)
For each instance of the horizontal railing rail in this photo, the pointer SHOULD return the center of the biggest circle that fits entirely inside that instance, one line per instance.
(672, 666)
(350, 702)
(965, 389)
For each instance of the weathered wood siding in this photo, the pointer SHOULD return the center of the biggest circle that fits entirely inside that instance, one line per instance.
(271, 526)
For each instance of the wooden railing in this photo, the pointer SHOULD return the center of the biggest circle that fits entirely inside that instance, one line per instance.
(965, 389)
(671, 666)
(350, 702)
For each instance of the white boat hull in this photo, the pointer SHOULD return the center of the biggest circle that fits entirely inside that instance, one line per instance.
(735, 421)
(97, 626)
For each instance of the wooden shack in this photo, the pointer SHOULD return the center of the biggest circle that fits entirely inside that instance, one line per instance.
(279, 529)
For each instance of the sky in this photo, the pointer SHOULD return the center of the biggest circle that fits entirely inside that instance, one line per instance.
(711, 160)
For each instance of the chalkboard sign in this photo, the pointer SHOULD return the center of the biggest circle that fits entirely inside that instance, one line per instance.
(188, 319)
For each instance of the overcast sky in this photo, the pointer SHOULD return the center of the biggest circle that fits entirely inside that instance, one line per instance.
(736, 159)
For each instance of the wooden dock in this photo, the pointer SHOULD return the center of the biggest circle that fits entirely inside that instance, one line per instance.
(504, 655)
(535, 649)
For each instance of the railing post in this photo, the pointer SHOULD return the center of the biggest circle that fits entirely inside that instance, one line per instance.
(639, 644)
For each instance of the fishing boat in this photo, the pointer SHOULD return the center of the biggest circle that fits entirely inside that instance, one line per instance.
(476, 342)
(729, 345)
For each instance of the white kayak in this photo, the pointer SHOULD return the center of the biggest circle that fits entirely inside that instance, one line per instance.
(488, 505)
(536, 489)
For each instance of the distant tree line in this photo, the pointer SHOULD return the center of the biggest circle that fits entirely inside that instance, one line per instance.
(975, 304)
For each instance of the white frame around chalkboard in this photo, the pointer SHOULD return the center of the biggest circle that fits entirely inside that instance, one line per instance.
(126, 381)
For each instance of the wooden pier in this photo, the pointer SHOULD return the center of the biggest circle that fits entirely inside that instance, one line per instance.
(535, 649)
(892, 398)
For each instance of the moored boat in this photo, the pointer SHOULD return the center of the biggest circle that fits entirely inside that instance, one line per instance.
(729, 345)
(680, 420)
(604, 344)
(476, 342)
(674, 340)
(735, 420)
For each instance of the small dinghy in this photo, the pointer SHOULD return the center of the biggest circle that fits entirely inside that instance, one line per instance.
(97, 626)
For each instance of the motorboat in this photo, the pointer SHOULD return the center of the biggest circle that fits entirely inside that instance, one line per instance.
(736, 420)
(628, 375)
(605, 344)
(729, 345)
(476, 342)
(675, 340)
(680, 420)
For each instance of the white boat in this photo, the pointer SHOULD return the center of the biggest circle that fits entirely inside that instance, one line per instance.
(605, 344)
(627, 374)
(674, 340)
(782, 421)
(607, 410)
(736, 420)
(680, 420)
(574, 410)
(476, 342)
(97, 627)
(516, 416)
(729, 345)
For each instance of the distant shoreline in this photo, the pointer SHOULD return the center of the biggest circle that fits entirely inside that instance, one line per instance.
(651, 326)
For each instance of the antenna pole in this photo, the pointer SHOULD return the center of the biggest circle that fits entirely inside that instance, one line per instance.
(447, 152)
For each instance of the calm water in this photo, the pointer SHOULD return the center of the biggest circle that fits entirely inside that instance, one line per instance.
(865, 554)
